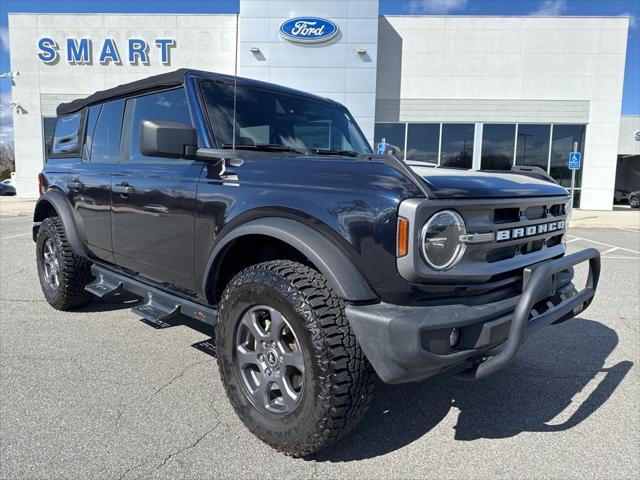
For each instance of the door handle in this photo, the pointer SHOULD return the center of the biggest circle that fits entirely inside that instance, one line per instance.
(74, 184)
(123, 187)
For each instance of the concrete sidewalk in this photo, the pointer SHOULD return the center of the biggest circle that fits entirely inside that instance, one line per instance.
(16, 207)
(620, 217)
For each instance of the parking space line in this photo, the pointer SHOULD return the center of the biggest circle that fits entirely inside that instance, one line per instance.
(609, 251)
(604, 244)
(621, 258)
(572, 240)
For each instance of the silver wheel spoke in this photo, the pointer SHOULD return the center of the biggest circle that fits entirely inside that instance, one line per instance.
(246, 357)
(293, 359)
(261, 393)
(250, 320)
(277, 322)
(289, 397)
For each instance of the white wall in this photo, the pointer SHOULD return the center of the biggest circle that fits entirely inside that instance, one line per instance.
(551, 69)
(332, 69)
(205, 42)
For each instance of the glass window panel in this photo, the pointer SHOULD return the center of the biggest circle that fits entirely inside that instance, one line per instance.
(391, 133)
(106, 139)
(48, 126)
(497, 146)
(457, 145)
(563, 138)
(92, 118)
(167, 105)
(422, 142)
(268, 116)
(533, 145)
(66, 136)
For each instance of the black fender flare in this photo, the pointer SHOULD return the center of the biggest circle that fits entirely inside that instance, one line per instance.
(340, 272)
(60, 203)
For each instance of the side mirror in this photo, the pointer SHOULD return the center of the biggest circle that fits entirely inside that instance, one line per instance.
(166, 138)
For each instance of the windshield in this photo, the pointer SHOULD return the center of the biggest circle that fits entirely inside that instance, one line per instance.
(266, 119)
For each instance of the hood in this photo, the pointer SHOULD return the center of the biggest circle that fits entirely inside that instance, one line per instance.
(453, 183)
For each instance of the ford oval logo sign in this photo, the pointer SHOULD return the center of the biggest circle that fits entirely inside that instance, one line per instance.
(308, 30)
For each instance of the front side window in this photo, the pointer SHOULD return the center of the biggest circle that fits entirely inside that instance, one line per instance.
(66, 138)
(166, 105)
(266, 117)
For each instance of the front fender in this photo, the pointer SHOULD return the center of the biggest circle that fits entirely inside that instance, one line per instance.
(55, 200)
(337, 268)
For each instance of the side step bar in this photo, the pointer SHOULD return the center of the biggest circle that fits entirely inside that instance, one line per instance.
(159, 306)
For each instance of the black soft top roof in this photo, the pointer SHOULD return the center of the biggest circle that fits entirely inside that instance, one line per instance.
(165, 80)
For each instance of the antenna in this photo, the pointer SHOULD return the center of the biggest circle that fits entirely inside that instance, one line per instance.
(235, 87)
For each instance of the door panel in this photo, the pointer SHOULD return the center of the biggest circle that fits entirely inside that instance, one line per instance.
(153, 199)
(90, 186)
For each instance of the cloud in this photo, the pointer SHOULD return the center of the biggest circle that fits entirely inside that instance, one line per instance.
(633, 20)
(436, 6)
(551, 8)
(6, 118)
(4, 39)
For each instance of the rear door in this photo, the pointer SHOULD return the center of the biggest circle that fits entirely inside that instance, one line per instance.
(153, 199)
(89, 185)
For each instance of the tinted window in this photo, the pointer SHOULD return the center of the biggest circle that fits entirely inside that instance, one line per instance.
(272, 117)
(497, 146)
(422, 142)
(564, 137)
(92, 118)
(67, 134)
(106, 137)
(391, 133)
(167, 105)
(48, 127)
(533, 145)
(457, 145)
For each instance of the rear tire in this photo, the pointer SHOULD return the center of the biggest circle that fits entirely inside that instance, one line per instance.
(331, 384)
(634, 202)
(63, 274)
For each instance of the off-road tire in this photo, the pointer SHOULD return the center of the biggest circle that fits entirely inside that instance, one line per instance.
(338, 379)
(74, 271)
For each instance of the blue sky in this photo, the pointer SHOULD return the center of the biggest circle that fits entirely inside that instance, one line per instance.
(631, 8)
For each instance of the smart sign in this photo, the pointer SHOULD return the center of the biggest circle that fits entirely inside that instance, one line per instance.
(82, 51)
(308, 30)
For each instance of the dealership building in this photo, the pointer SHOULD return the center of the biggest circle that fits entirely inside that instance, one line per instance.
(461, 91)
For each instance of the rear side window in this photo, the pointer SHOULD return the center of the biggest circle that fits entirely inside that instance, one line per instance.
(105, 141)
(66, 138)
(167, 105)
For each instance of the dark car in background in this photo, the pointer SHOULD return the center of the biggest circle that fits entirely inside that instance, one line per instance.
(263, 211)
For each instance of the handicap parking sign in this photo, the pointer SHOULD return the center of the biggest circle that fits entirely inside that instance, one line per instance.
(574, 160)
(382, 147)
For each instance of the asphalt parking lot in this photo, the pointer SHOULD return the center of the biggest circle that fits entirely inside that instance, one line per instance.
(97, 393)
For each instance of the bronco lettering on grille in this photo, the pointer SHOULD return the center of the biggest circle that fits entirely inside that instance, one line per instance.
(530, 231)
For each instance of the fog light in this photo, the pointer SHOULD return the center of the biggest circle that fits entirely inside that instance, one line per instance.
(454, 337)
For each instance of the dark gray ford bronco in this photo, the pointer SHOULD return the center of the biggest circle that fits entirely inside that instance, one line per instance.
(263, 211)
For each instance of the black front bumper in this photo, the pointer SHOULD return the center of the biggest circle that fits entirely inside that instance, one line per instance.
(408, 343)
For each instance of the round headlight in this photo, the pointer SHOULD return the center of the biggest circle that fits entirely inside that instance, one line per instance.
(441, 245)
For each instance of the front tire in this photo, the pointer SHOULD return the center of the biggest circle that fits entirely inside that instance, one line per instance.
(63, 274)
(288, 359)
(634, 202)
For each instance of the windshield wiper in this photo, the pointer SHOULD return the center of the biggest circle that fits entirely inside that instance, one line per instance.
(348, 153)
(263, 146)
